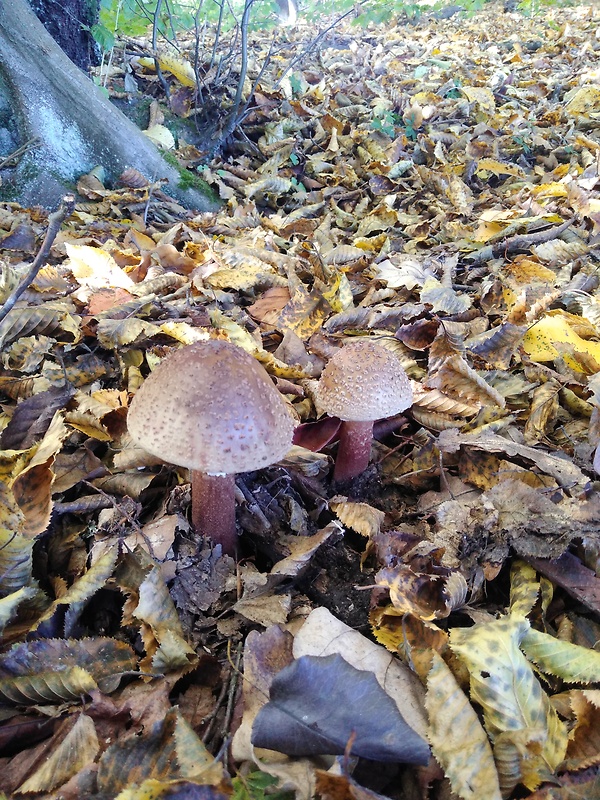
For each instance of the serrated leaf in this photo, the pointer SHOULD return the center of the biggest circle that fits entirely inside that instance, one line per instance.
(9, 605)
(83, 589)
(444, 298)
(361, 517)
(115, 333)
(161, 630)
(47, 687)
(95, 267)
(499, 348)
(516, 710)
(570, 662)
(467, 759)
(15, 549)
(103, 661)
(456, 377)
(524, 588)
(543, 411)
(584, 738)
(404, 272)
(34, 320)
(31, 487)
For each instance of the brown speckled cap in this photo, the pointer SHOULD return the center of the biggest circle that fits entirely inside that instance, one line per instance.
(211, 407)
(362, 382)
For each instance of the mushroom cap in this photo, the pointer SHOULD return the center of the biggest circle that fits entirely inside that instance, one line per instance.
(364, 381)
(211, 407)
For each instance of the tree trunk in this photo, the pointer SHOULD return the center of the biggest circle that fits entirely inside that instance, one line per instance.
(44, 96)
(71, 27)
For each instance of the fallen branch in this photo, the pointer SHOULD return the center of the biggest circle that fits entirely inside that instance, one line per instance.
(55, 220)
(19, 152)
(520, 242)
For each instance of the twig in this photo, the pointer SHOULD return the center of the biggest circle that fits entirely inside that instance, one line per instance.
(55, 220)
(244, 62)
(19, 151)
(520, 242)
(312, 45)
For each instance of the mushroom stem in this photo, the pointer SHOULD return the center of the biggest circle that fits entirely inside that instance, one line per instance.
(354, 450)
(213, 509)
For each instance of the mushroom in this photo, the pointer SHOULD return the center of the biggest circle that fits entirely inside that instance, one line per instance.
(212, 408)
(363, 382)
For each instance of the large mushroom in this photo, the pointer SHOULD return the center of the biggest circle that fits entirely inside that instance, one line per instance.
(212, 408)
(363, 382)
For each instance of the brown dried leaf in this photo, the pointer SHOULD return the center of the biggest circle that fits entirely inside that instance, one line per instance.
(45, 319)
(499, 348)
(544, 409)
(456, 377)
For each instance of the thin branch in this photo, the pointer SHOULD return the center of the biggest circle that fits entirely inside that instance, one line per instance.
(311, 46)
(520, 242)
(55, 220)
(19, 151)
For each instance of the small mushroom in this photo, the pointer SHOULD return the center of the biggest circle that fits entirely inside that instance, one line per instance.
(363, 382)
(212, 408)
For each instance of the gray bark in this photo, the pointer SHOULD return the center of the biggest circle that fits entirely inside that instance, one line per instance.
(43, 95)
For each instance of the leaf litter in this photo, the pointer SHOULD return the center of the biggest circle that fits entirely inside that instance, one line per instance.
(435, 188)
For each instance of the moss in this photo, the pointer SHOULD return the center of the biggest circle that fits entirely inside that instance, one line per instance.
(187, 179)
(26, 172)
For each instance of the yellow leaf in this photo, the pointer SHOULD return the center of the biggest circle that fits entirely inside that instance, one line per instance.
(517, 712)
(482, 97)
(498, 168)
(179, 68)
(524, 588)
(115, 333)
(584, 101)
(10, 604)
(161, 136)
(570, 662)
(243, 277)
(541, 339)
(466, 759)
(361, 517)
(554, 189)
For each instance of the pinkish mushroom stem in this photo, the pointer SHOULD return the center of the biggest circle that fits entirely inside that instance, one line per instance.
(213, 509)
(354, 449)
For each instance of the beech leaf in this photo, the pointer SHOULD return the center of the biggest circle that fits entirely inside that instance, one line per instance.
(318, 703)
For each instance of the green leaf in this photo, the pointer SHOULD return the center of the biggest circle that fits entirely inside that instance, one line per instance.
(103, 36)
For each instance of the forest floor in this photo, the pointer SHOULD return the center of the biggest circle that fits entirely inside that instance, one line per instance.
(433, 187)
